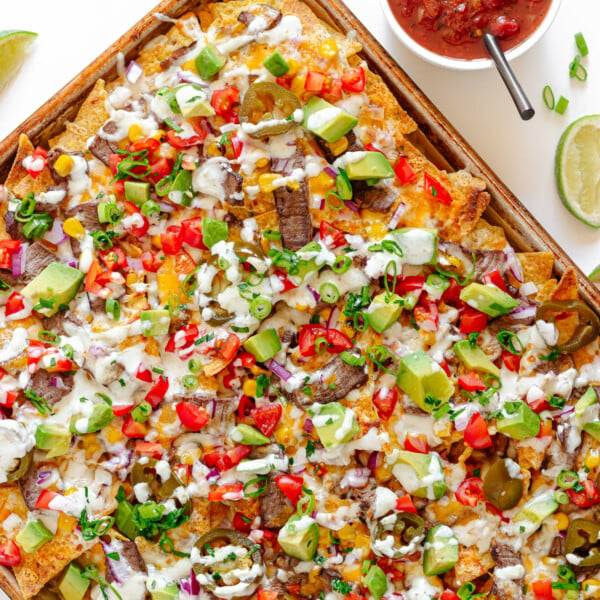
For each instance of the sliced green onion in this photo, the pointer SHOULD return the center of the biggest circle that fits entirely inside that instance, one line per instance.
(272, 234)
(25, 209)
(352, 359)
(255, 279)
(68, 350)
(510, 342)
(4, 287)
(548, 97)
(150, 208)
(335, 205)
(356, 322)
(561, 105)
(329, 292)
(102, 241)
(190, 382)
(306, 505)
(261, 480)
(113, 308)
(141, 413)
(492, 381)
(391, 266)
(173, 305)
(581, 44)
(176, 128)
(380, 354)
(190, 282)
(195, 366)
(260, 308)
(341, 264)
(577, 70)
(567, 479)
(320, 345)
(37, 226)
(109, 213)
(48, 337)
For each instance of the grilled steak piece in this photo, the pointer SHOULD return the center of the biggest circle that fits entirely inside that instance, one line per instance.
(38, 258)
(102, 149)
(130, 561)
(30, 489)
(233, 186)
(13, 227)
(87, 213)
(271, 15)
(344, 378)
(506, 586)
(165, 64)
(353, 146)
(292, 206)
(41, 382)
(379, 199)
(275, 509)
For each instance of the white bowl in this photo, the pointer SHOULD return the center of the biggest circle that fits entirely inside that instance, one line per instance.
(461, 64)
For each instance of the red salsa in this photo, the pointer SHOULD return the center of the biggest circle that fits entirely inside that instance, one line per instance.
(454, 28)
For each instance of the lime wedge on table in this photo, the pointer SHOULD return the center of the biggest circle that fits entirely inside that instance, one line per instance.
(578, 169)
(594, 276)
(14, 45)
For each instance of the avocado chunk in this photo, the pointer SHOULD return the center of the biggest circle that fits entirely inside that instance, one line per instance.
(299, 537)
(435, 286)
(329, 122)
(209, 62)
(384, 311)
(474, 358)
(263, 345)
(488, 299)
(413, 469)
(123, 519)
(54, 438)
(372, 165)
(137, 192)
(518, 421)
(276, 64)
(54, 287)
(170, 592)
(73, 584)
(536, 510)
(192, 101)
(334, 423)
(376, 581)
(419, 245)
(441, 550)
(155, 322)
(33, 536)
(213, 231)
(424, 381)
(248, 435)
(102, 415)
(588, 399)
(307, 265)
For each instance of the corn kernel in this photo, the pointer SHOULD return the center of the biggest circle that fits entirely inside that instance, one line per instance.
(167, 151)
(262, 162)
(293, 64)
(70, 491)
(265, 182)
(383, 473)
(131, 278)
(112, 434)
(561, 521)
(302, 307)
(455, 262)
(64, 164)
(362, 541)
(159, 135)
(135, 133)
(591, 588)
(592, 459)
(340, 146)
(249, 387)
(74, 228)
(284, 434)
(353, 574)
(293, 186)
(328, 49)
(189, 65)
(156, 241)
(213, 149)
(297, 85)
(265, 245)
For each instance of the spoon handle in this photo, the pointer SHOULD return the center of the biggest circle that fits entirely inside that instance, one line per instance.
(512, 85)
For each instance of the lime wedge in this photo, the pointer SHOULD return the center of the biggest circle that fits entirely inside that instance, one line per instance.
(578, 169)
(14, 45)
(594, 276)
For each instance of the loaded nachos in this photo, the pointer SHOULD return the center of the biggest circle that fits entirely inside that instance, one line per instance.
(256, 345)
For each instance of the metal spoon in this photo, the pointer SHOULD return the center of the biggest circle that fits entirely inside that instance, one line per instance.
(514, 87)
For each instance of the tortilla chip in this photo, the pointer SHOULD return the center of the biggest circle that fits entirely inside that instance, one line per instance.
(199, 522)
(89, 120)
(267, 220)
(471, 565)
(567, 286)
(486, 237)
(537, 266)
(19, 181)
(546, 290)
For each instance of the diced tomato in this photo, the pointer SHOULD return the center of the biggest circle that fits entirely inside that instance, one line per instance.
(153, 448)
(372, 148)
(405, 504)
(354, 80)
(37, 162)
(245, 406)
(114, 160)
(182, 338)
(135, 222)
(545, 429)
(230, 380)
(416, 443)
(7, 398)
(59, 364)
(226, 102)
(471, 382)
(192, 232)
(237, 146)
(542, 588)
(5, 259)
(452, 294)
(427, 317)
(120, 410)
(45, 498)
(315, 81)
(151, 144)
(291, 486)
(284, 82)
(476, 434)
(404, 172)
(223, 461)
(228, 491)
(35, 350)
(158, 391)
(267, 595)
(409, 284)
(472, 320)
(436, 189)
(172, 240)
(143, 373)
(333, 87)
(470, 491)
(10, 554)
(113, 258)
(10, 245)
(287, 284)
(384, 401)
(14, 304)
(159, 170)
(239, 524)
(151, 262)
(133, 429)
(449, 595)
(92, 285)
(393, 569)
(181, 143)
(589, 496)
(504, 27)
(332, 236)
(248, 360)
(495, 278)
(511, 361)
(336, 340)
(444, 364)
(183, 472)
(192, 416)
(267, 417)
(184, 263)
(230, 346)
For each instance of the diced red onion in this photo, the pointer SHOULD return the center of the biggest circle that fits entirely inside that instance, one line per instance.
(189, 77)
(528, 288)
(308, 425)
(322, 204)
(118, 463)
(299, 470)
(213, 474)
(190, 585)
(400, 210)
(70, 261)
(333, 317)
(377, 113)
(19, 260)
(211, 407)
(166, 207)
(282, 165)
(43, 476)
(356, 478)
(513, 264)
(372, 462)
(135, 264)
(557, 414)
(314, 292)
(351, 206)
(133, 72)
(119, 569)
(278, 369)
(331, 171)
(57, 382)
(523, 312)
